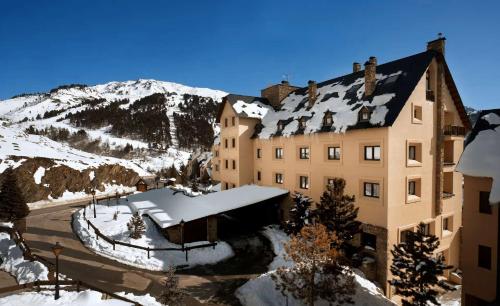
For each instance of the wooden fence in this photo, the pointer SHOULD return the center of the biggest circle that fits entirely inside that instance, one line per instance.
(114, 242)
(68, 285)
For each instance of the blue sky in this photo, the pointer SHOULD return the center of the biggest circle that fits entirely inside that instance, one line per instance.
(239, 46)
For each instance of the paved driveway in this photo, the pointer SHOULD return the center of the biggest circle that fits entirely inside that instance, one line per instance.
(207, 285)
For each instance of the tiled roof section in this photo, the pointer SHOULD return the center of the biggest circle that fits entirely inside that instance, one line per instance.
(344, 98)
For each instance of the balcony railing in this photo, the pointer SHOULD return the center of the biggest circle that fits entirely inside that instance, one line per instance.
(447, 195)
(429, 95)
(453, 130)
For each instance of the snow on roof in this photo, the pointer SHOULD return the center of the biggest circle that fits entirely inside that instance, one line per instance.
(167, 207)
(480, 157)
(256, 109)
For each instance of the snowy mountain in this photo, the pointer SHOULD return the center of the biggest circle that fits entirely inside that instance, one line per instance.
(473, 114)
(142, 126)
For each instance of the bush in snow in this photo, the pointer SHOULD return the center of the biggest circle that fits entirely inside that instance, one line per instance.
(136, 226)
(317, 272)
(194, 186)
(416, 269)
(205, 177)
(299, 214)
(337, 212)
(12, 203)
(171, 294)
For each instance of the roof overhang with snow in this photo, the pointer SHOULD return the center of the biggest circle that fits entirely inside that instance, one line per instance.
(167, 207)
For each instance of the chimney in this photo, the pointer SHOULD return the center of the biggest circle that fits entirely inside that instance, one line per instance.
(370, 79)
(356, 67)
(312, 92)
(437, 44)
(276, 93)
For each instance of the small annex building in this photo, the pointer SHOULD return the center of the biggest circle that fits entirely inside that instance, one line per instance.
(186, 219)
(141, 185)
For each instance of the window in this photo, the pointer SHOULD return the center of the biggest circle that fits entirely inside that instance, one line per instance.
(233, 185)
(333, 153)
(233, 121)
(225, 122)
(225, 143)
(280, 126)
(372, 152)
(484, 257)
(404, 235)
(304, 182)
(484, 202)
(371, 190)
(259, 153)
(364, 114)
(216, 167)
(369, 240)
(327, 119)
(234, 164)
(227, 163)
(226, 185)
(278, 153)
(216, 153)
(304, 153)
(302, 123)
(417, 114)
(233, 142)
(412, 152)
(412, 188)
(258, 175)
(278, 178)
(329, 182)
(427, 229)
(448, 224)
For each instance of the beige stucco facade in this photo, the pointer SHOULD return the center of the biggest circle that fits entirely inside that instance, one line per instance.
(480, 228)
(393, 211)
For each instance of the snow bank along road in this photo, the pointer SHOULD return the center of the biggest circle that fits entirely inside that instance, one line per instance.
(47, 226)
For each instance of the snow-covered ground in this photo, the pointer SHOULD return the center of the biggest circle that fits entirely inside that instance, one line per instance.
(14, 142)
(13, 262)
(73, 298)
(160, 260)
(262, 290)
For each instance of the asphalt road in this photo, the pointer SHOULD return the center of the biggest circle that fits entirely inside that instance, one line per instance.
(205, 285)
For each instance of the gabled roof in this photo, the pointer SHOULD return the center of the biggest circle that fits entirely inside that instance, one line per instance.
(168, 207)
(481, 157)
(344, 97)
(245, 106)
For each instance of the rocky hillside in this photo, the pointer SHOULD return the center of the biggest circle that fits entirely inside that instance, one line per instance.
(104, 135)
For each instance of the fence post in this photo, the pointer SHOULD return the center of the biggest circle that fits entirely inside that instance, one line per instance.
(148, 252)
(186, 255)
(88, 224)
(78, 286)
(113, 244)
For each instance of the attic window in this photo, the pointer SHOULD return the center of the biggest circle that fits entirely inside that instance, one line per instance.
(364, 114)
(328, 119)
(302, 123)
(281, 126)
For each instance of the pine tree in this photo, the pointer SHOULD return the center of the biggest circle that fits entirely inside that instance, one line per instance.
(300, 214)
(195, 169)
(317, 272)
(205, 178)
(171, 172)
(416, 269)
(12, 203)
(337, 212)
(171, 295)
(136, 226)
(194, 186)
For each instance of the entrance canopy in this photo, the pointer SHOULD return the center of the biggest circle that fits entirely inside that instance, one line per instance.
(168, 207)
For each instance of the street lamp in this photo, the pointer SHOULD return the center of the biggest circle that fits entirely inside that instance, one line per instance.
(182, 232)
(93, 200)
(57, 249)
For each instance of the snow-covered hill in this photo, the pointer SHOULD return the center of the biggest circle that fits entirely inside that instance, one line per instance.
(143, 114)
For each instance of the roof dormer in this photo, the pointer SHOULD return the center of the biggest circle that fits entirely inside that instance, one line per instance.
(302, 123)
(328, 119)
(364, 114)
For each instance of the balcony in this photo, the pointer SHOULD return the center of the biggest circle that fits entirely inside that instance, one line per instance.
(454, 130)
(447, 195)
(429, 95)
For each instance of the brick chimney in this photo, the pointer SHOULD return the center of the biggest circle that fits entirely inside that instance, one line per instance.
(370, 72)
(276, 93)
(313, 88)
(356, 67)
(437, 44)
